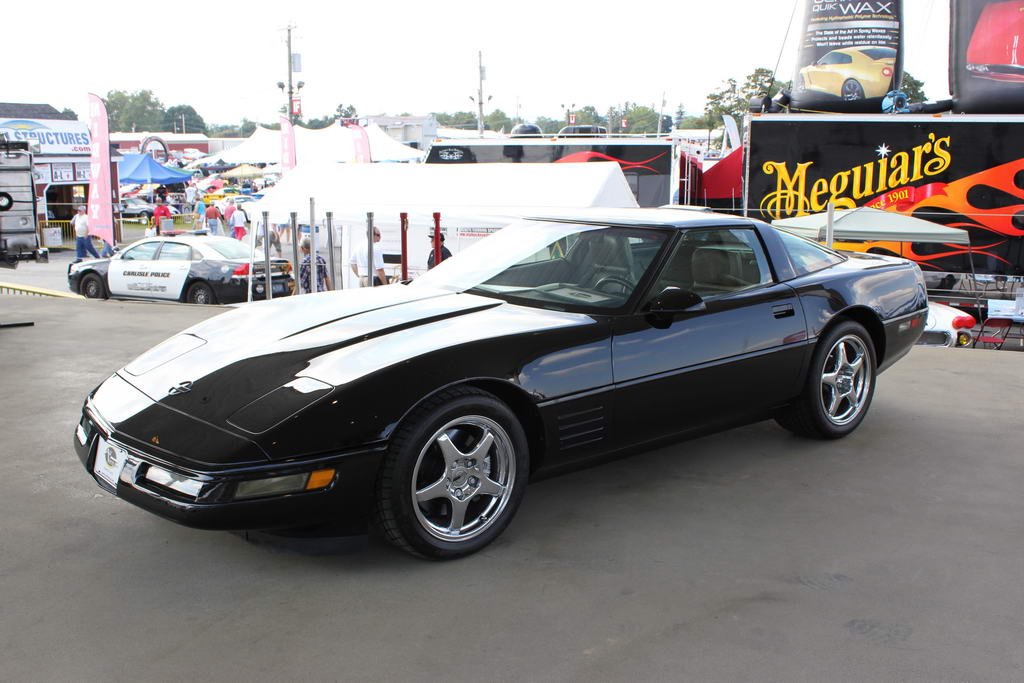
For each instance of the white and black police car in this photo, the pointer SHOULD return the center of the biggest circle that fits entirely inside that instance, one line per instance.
(196, 269)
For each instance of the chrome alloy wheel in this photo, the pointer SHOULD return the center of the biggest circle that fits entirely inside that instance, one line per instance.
(463, 478)
(845, 380)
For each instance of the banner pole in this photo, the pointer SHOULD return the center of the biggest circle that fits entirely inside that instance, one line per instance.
(312, 248)
(266, 255)
(329, 222)
(404, 222)
(369, 249)
(294, 219)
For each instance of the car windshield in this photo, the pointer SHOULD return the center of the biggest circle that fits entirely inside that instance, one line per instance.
(227, 247)
(562, 266)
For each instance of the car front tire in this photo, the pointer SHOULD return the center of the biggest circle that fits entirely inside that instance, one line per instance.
(92, 287)
(839, 385)
(453, 476)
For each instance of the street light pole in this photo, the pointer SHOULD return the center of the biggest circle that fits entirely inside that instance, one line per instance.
(480, 96)
(291, 116)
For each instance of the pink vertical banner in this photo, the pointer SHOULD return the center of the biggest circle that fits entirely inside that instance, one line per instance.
(101, 194)
(287, 144)
(362, 141)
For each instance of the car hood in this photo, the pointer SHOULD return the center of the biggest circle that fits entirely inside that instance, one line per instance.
(213, 370)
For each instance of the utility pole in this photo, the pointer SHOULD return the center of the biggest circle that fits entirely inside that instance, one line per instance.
(291, 117)
(183, 123)
(480, 96)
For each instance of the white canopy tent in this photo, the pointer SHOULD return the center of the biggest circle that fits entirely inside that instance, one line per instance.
(474, 199)
(331, 144)
(866, 223)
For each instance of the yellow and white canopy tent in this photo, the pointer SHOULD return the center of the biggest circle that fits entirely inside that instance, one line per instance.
(243, 171)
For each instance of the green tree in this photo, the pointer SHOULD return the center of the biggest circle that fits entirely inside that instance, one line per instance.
(70, 113)
(589, 116)
(498, 120)
(137, 111)
(549, 125)
(193, 122)
(642, 119)
(346, 111)
(460, 119)
(913, 88)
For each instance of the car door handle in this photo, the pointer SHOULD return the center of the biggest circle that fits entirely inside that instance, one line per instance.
(783, 310)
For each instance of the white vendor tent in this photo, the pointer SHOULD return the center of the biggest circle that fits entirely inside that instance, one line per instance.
(474, 199)
(866, 223)
(331, 144)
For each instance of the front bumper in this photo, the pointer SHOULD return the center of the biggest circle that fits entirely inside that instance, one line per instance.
(342, 508)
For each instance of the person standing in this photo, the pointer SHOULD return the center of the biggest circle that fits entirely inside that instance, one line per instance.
(213, 217)
(230, 211)
(444, 251)
(358, 262)
(161, 212)
(190, 195)
(237, 223)
(323, 279)
(83, 243)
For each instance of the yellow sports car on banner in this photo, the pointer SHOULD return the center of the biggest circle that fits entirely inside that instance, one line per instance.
(852, 73)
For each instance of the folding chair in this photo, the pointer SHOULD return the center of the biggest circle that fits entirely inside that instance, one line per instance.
(993, 331)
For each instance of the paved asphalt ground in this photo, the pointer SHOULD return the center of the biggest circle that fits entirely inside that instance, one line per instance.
(893, 555)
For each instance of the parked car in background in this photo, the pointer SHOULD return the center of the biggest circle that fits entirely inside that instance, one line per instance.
(195, 269)
(136, 207)
(947, 326)
(852, 73)
(553, 343)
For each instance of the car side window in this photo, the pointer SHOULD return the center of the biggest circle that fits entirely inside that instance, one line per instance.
(141, 252)
(714, 262)
(175, 251)
(807, 256)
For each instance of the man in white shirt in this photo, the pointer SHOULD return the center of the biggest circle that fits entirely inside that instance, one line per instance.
(83, 244)
(358, 262)
(190, 195)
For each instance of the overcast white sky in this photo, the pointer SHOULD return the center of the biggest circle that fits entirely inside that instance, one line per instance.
(393, 57)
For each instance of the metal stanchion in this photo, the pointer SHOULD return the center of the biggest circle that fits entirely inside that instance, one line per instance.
(294, 218)
(313, 267)
(404, 220)
(437, 238)
(266, 255)
(329, 222)
(369, 248)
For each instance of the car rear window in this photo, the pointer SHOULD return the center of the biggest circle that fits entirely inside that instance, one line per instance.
(880, 52)
(807, 256)
(228, 248)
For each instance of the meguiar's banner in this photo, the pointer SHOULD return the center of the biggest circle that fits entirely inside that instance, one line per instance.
(986, 71)
(850, 56)
(961, 171)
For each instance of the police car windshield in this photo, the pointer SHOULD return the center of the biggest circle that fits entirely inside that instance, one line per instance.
(228, 248)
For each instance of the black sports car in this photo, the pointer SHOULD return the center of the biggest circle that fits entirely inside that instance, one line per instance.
(195, 269)
(427, 406)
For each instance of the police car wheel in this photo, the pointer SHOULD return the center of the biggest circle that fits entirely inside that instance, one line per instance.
(200, 293)
(92, 287)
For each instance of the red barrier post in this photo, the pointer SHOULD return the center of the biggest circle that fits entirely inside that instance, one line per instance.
(437, 238)
(404, 220)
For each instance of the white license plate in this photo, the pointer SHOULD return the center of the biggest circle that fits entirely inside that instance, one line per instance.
(110, 459)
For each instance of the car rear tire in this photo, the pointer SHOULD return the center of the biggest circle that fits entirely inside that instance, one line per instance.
(200, 293)
(852, 90)
(839, 387)
(92, 287)
(453, 476)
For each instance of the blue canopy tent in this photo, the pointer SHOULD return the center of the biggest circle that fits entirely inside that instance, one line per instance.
(142, 168)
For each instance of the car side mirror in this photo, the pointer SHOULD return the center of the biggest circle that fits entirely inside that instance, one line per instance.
(676, 300)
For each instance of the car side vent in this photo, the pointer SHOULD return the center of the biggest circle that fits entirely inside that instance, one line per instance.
(581, 427)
